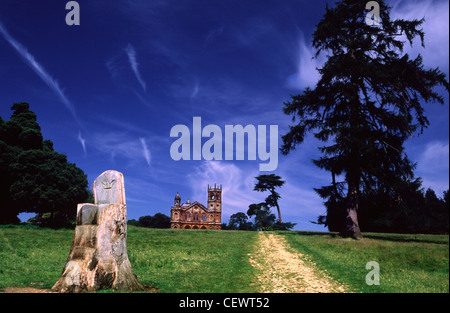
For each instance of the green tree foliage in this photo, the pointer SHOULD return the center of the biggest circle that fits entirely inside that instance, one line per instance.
(239, 221)
(36, 178)
(403, 208)
(158, 220)
(264, 218)
(366, 103)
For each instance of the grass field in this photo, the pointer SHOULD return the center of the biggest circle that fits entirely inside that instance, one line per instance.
(217, 261)
(192, 260)
(170, 260)
(407, 263)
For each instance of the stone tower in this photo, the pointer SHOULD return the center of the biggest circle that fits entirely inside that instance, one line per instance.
(215, 202)
(195, 215)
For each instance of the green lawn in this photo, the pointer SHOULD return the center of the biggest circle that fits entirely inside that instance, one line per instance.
(217, 261)
(408, 263)
(32, 256)
(192, 260)
(171, 260)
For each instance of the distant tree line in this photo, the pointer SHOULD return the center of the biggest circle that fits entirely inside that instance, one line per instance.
(264, 219)
(403, 208)
(158, 220)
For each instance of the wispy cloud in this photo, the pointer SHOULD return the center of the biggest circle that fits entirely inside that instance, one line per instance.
(436, 28)
(145, 150)
(131, 53)
(111, 65)
(195, 90)
(82, 141)
(39, 70)
(123, 146)
(117, 144)
(306, 73)
(118, 67)
(237, 185)
(433, 166)
(142, 99)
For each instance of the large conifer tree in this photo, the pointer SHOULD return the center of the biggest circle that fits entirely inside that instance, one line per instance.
(367, 102)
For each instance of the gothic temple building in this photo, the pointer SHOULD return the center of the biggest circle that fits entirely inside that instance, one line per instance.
(195, 215)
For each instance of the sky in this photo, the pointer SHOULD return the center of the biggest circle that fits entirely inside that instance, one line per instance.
(108, 91)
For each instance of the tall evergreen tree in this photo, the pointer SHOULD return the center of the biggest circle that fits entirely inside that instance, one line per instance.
(366, 103)
(269, 183)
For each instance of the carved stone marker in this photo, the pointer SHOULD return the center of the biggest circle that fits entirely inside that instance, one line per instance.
(98, 257)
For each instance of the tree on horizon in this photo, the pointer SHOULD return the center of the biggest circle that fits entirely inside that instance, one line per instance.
(268, 182)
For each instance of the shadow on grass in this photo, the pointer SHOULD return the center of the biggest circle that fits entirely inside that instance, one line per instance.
(420, 238)
(309, 233)
(438, 239)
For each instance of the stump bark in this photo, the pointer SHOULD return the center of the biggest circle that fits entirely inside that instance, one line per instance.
(98, 257)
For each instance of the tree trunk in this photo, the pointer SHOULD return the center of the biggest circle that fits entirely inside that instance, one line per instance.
(353, 177)
(351, 226)
(279, 213)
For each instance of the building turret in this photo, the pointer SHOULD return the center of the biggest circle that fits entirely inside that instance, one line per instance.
(177, 199)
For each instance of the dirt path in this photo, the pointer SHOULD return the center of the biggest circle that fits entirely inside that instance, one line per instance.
(282, 271)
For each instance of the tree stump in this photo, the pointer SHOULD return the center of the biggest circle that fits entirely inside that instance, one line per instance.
(98, 257)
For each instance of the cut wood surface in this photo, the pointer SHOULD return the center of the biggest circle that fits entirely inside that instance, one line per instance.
(98, 257)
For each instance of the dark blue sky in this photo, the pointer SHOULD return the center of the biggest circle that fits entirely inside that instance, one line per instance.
(108, 92)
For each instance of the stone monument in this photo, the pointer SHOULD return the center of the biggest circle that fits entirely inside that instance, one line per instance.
(98, 257)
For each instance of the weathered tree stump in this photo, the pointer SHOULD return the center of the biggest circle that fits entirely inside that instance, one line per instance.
(98, 257)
